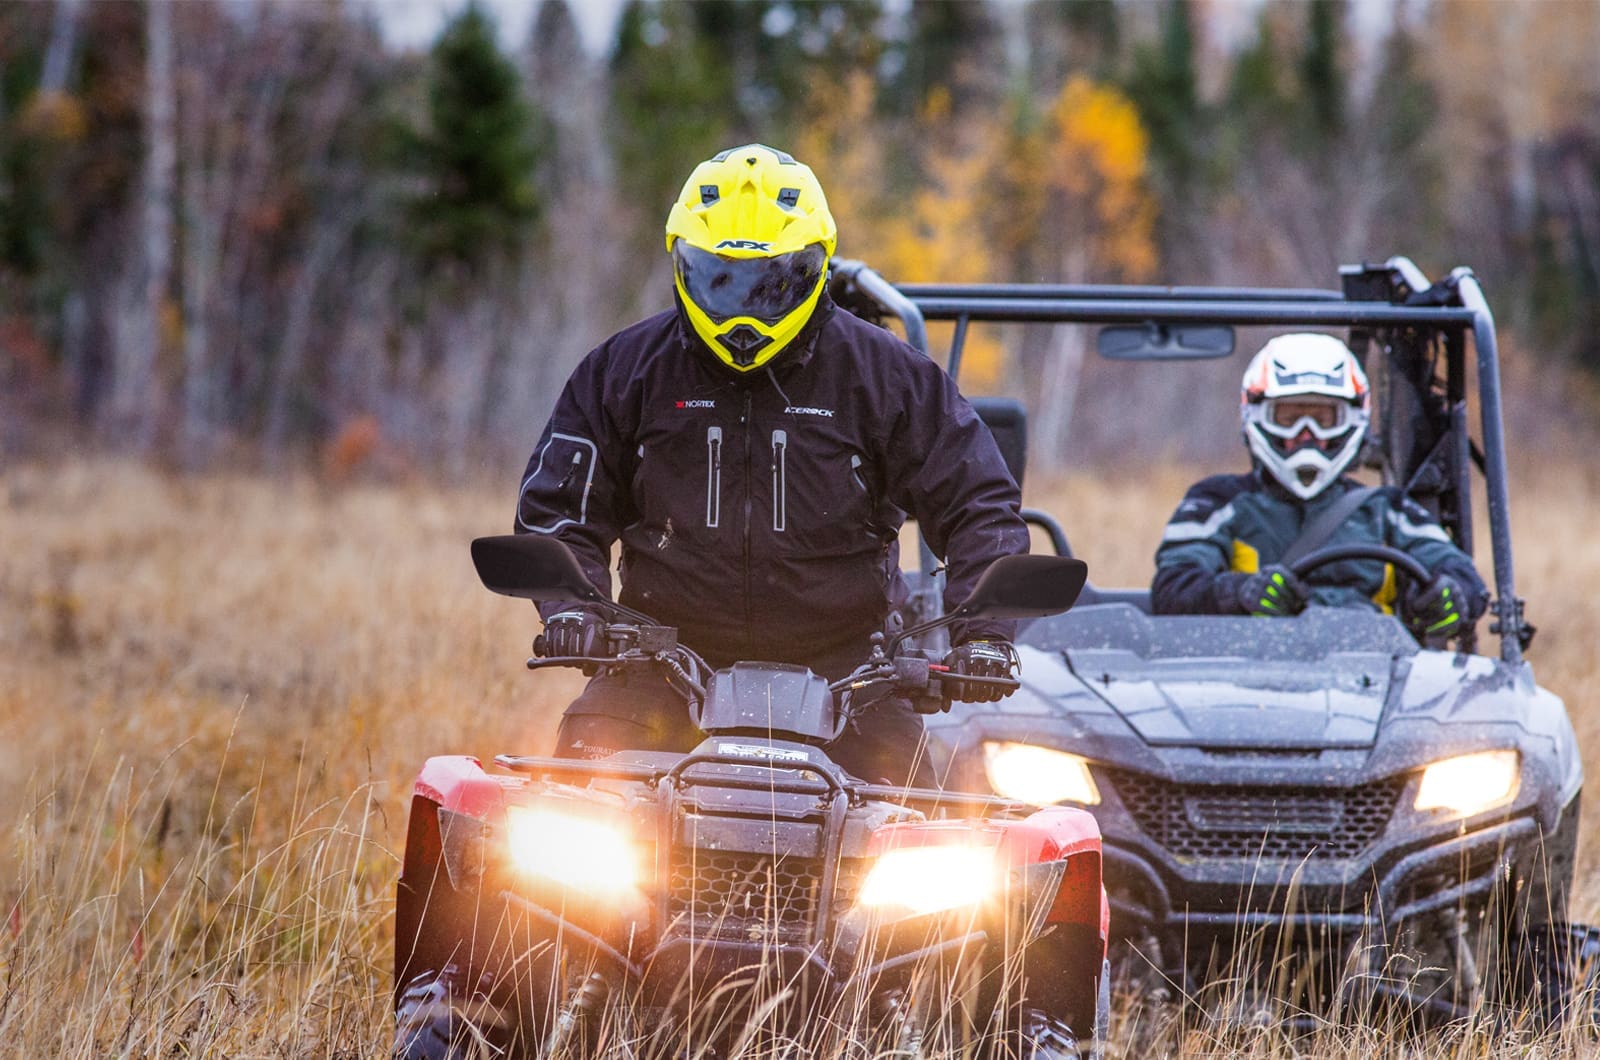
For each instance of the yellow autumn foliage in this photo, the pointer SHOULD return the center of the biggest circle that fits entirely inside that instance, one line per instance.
(1093, 156)
(937, 233)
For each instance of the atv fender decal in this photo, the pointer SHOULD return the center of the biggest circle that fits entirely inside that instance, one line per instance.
(563, 485)
(751, 750)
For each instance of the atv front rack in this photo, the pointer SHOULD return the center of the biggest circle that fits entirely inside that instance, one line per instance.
(826, 783)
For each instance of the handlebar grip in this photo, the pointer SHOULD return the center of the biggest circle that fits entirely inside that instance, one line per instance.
(973, 679)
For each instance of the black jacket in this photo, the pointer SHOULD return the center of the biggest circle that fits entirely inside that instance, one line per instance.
(760, 515)
(1230, 526)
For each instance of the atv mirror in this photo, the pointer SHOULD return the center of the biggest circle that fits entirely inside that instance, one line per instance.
(1164, 342)
(532, 567)
(1025, 587)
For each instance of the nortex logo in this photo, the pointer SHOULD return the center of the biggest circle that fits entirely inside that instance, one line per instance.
(807, 410)
(742, 244)
(696, 404)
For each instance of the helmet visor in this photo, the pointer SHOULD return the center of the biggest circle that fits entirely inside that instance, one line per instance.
(767, 289)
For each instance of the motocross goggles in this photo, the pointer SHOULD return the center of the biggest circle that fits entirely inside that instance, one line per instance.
(765, 289)
(1326, 418)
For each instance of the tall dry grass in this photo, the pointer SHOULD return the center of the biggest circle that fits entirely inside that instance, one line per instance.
(214, 692)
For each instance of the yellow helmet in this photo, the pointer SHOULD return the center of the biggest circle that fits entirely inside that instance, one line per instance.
(750, 238)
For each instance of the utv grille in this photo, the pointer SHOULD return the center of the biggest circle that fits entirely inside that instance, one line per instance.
(753, 897)
(1196, 822)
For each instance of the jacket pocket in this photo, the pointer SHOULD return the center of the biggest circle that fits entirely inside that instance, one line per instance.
(713, 477)
(556, 493)
(780, 503)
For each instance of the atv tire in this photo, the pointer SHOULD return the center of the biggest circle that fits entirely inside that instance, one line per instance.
(1565, 973)
(1044, 1037)
(430, 1023)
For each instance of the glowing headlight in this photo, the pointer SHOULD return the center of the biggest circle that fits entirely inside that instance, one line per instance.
(929, 879)
(573, 851)
(1469, 784)
(1038, 775)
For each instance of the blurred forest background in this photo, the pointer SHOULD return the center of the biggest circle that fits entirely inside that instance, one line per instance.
(256, 234)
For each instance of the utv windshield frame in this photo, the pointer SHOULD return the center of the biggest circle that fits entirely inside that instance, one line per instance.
(1401, 325)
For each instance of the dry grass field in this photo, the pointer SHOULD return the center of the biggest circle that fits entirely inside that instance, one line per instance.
(214, 692)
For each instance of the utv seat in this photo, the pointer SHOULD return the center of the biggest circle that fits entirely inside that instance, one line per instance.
(1007, 420)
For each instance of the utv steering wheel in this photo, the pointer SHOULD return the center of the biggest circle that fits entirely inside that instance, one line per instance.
(1403, 563)
(1321, 557)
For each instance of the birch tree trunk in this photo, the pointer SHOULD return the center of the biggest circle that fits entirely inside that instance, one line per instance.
(136, 398)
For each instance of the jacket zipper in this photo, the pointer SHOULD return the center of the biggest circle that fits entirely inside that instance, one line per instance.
(749, 617)
(780, 447)
(713, 477)
(855, 472)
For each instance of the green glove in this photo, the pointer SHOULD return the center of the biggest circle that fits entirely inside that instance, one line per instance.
(1271, 591)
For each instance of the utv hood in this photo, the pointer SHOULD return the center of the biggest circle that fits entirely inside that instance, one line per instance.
(1330, 702)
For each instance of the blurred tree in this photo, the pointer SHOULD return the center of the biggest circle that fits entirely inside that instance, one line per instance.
(477, 152)
(669, 105)
(136, 398)
(949, 48)
(1322, 72)
(1066, 39)
(1096, 211)
(1163, 85)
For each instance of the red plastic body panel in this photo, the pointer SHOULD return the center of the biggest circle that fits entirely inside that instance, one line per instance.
(458, 783)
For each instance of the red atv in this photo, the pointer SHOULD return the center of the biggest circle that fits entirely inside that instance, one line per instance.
(749, 894)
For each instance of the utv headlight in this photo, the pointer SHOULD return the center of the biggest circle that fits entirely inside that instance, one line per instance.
(574, 851)
(1038, 775)
(1469, 784)
(931, 878)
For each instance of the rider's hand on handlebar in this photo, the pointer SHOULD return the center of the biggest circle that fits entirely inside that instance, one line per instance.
(980, 658)
(572, 633)
(1435, 608)
(1273, 590)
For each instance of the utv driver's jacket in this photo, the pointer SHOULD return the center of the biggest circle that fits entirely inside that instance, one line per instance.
(760, 515)
(1229, 526)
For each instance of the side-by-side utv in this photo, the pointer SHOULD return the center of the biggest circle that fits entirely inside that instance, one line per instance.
(1398, 814)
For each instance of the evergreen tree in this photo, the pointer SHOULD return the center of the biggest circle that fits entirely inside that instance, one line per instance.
(1164, 86)
(478, 152)
(670, 102)
(1322, 75)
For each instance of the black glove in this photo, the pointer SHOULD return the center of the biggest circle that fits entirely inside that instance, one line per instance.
(571, 633)
(1271, 591)
(1436, 607)
(980, 658)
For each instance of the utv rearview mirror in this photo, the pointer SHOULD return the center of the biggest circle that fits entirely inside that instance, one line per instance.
(1164, 342)
(532, 567)
(1025, 587)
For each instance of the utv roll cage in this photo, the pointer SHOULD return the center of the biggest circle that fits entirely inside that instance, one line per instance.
(1419, 329)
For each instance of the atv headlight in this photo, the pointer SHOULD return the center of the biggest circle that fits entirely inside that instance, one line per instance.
(1038, 775)
(574, 851)
(931, 878)
(1469, 784)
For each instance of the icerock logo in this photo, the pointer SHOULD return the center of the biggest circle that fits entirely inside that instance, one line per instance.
(697, 404)
(807, 410)
(742, 244)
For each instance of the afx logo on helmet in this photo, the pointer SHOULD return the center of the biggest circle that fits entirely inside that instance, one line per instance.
(1304, 407)
(750, 237)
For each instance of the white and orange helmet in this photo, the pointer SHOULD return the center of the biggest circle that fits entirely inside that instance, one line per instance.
(1305, 407)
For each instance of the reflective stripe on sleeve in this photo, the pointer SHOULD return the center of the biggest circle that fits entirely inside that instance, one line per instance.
(1429, 531)
(1190, 530)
